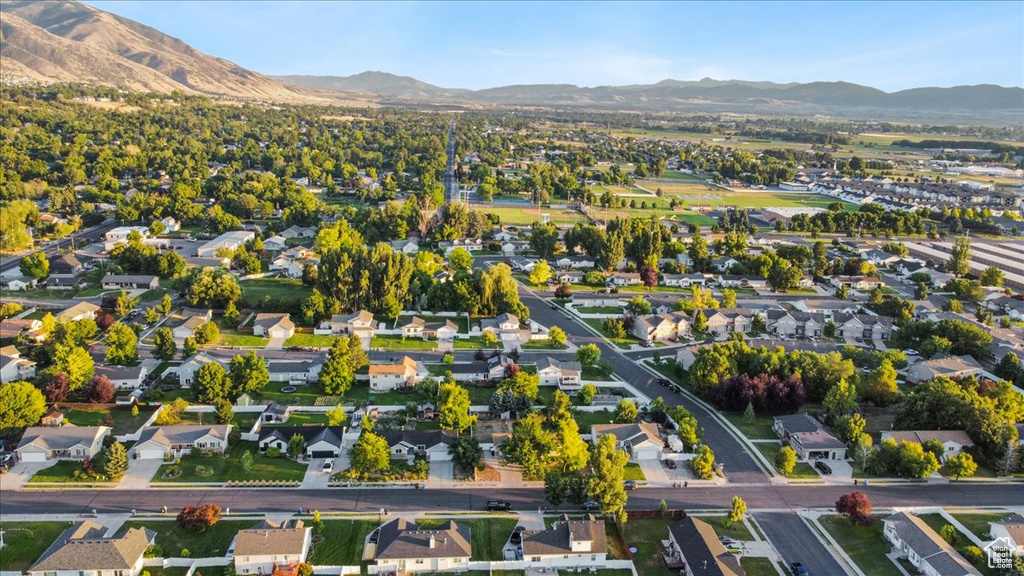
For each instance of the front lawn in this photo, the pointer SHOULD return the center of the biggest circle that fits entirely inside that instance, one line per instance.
(802, 470)
(634, 472)
(543, 344)
(397, 342)
(62, 472)
(753, 566)
(24, 542)
(343, 542)
(626, 342)
(226, 338)
(194, 468)
(212, 542)
(758, 429)
(119, 419)
(311, 340)
(487, 535)
(864, 544)
(471, 343)
(737, 531)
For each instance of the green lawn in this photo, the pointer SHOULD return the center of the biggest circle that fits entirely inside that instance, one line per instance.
(120, 419)
(471, 343)
(936, 521)
(287, 288)
(229, 468)
(303, 395)
(527, 214)
(303, 419)
(646, 535)
(626, 342)
(978, 523)
(737, 531)
(487, 535)
(759, 429)
(226, 338)
(616, 310)
(544, 344)
(802, 470)
(634, 472)
(60, 472)
(758, 566)
(864, 544)
(397, 342)
(311, 340)
(213, 541)
(587, 419)
(343, 542)
(24, 542)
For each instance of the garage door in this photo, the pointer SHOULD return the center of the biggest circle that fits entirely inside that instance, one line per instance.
(33, 457)
(439, 456)
(323, 454)
(151, 454)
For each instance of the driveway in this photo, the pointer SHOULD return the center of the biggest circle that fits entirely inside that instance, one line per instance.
(655, 473)
(276, 343)
(442, 474)
(140, 473)
(796, 542)
(842, 471)
(20, 474)
(315, 477)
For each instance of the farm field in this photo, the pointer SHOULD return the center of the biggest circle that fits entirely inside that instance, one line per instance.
(528, 214)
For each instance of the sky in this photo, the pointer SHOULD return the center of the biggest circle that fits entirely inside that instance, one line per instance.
(887, 45)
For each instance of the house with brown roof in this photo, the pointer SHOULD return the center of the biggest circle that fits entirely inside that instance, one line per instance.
(694, 548)
(404, 549)
(273, 325)
(272, 548)
(1011, 531)
(359, 322)
(567, 543)
(159, 442)
(953, 441)
(419, 328)
(43, 443)
(79, 311)
(82, 550)
(403, 374)
(949, 366)
(642, 440)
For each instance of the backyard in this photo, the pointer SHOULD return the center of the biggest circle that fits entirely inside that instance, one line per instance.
(120, 420)
(864, 544)
(343, 542)
(218, 468)
(487, 535)
(213, 541)
(24, 542)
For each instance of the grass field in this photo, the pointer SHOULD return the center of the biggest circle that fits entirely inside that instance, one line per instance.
(634, 472)
(978, 523)
(123, 421)
(213, 541)
(230, 468)
(544, 344)
(626, 342)
(24, 542)
(759, 429)
(528, 214)
(236, 339)
(753, 566)
(488, 535)
(343, 542)
(304, 395)
(59, 473)
(864, 544)
(311, 340)
(802, 470)
(397, 342)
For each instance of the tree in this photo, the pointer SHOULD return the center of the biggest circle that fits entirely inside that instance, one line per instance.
(626, 412)
(170, 414)
(124, 304)
(880, 385)
(749, 414)
(949, 533)
(785, 460)
(728, 298)
(206, 333)
(855, 506)
(117, 461)
(246, 461)
(165, 305)
(35, 266)
(199, 518)
(121, 345)
(189, 347)
(555, 486)
(841, 398)
(587, 393)
(21, 405)
(638, 305)
(563, 291)
(921, 291)
(1009, 368)
(588, 354)
(991, 276)
(960, 256)
(152, 315)
(296, 446)
(57, 389)
(225, 413)
(75, 362)
(248, 374)
(961, 464)
(211, 383)
(862, 449)
(164, 347)
(231, 312)
(461, 261)
(700, 322)
(955, 305)
(849, 427)
(738, 510)
(453, 407)
(100, 390)
(614, 328)
(337, 374)
(466, 452)
(336, 416)
(703, 463)
(370, 454)
(607, 469)
(556, 336)
(540, 273)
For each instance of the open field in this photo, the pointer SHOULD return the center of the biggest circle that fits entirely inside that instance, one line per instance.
(277, 290)
(528, 214)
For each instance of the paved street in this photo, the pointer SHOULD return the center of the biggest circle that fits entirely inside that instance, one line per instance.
(796, 543)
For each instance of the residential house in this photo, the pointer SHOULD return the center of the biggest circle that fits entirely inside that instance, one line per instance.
(85, 550)
(661, 327)
(724, 264)
(953, 441)
(130, 282)
(567, 543)
(862, 326)
(569, 277)
(359, 323)
(273, 325)
(879, 257)
(272, 548)
(408, 247)
(187, 329)
(856, 282)
(65, 282)
(228, 242)
(404, 549)
(521, 264)
(751, 282)
(793, 325)
(419, 328)
(695, 550)
(42, 444)
(505, 327)
(1007, 305)
(124, 377)
(13, 367)
(162, 442)
(66, 265)
(624, 279)
(682, 280)
(406, 373)
(808, 438)
(21, 327)
(408, 444)
(913, 539)
(725, 321)
(299, 232)
(497, 366)
(78, 312)
(505, 234)
(642, 440)
(564, 374)
(189, 366)
(120, 235)
(319, 441)
(595, 300)
(295, 371)
(1011, 530)
(19, 283)
(576, 262)
(949, 366)
(275, 243)
(906, 267)
(170, 224)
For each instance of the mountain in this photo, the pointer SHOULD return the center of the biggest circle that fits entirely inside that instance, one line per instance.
(375, 83)
(74, 42)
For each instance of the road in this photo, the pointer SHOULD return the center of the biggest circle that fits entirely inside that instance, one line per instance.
(80, 238)
(763, 497)
(796, 543)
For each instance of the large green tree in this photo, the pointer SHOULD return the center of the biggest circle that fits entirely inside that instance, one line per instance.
(248, 374)
(607, 472)
(122, 345)
(21, 405)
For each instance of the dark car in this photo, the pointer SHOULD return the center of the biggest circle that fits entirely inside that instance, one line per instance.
(664, 381)
(822, 467)
(517, 536)
(798, 569)
(374, 536)
(670, 464)
(591, 506)
(498, 506)
(631, 485)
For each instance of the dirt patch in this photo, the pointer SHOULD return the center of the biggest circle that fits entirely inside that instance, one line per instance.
(488, 474)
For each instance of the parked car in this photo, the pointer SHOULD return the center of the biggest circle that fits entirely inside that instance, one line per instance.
(498, 506)
(663, 381)
(328, 466)
(822, 467)
(591, 506)
(517, 536)
(670, 464)
(631, 485)
(374, 536)
(798, 569)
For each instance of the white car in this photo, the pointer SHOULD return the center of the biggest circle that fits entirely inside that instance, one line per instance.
(328, 466)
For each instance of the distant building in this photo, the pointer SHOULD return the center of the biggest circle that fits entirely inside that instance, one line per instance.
(228, 241)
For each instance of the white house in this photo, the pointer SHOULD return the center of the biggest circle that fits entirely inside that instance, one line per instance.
(85, 550)
(953, 441)
(403, 374)
(275, 243)
(79, 311)
(124, 377)
(272, 548)
(419, 328)
(408, 247)
(1011, 531)
(403, 549)
(42, 443)
(504, 327)
(564, 374)
(228, 241)
(913, 539)
(19, 283)
(359, 322)
(808, 438)
(408, 444)
(130, 282)
(642, 441)
(13, 367)
(566, 543)
(319, 441)
(273, 325)
(160, 442)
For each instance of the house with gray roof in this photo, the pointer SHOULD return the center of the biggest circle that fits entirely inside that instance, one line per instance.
(319, 441)
(408, 444)
(949, 366)
(565, 374)
(82, 550)
(124, 377)
(130, 282)
(44, 443)
(272, 548)
(567, 543)
(808, 438)
(694, 548)
(641, 440)
(160, 442)
(273, 325)
(403, 549)
(913, 539)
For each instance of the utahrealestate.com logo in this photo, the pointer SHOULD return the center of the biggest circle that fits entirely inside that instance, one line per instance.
(1000, 553)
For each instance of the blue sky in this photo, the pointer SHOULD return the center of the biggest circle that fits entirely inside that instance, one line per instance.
(888, 45)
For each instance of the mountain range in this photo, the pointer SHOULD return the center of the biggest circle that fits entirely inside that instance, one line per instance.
(66, 41)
